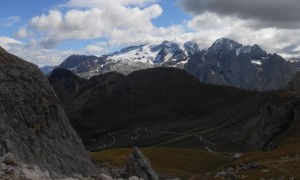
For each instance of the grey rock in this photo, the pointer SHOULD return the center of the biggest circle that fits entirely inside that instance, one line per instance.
(294, 84)
(133, 178)
(222, 174)
(77, 176)
(279, 114)
(119, 173)
(105, 177)
(34, 126)
(139, 165)
(9, 170)
(251, 165)
(2, 173)
(229, 63)
(9, 159)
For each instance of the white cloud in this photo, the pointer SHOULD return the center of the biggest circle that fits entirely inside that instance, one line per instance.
(107, 19)
(32, 52)
(23, 33)
(6, 42)
(208, 27)
(9, 21)
(101, 3)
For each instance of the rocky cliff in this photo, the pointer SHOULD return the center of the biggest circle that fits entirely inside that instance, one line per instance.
(294, 85)
(229, 63)
(34, 125)
(280, 114)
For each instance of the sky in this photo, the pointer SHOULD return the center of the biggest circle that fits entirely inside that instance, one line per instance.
(47, 32)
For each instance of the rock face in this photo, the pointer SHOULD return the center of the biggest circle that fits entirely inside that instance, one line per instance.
(229, 63)
(294, 85)
(34, 125)
(281, 113)
(139, 165)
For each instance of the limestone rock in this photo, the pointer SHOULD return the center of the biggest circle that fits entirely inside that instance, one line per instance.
(34, 126)
(9, 159)
(139, 165)
(279, 114)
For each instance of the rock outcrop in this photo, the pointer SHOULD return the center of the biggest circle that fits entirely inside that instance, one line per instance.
(34, 126)
(139, 165)
(281, 113)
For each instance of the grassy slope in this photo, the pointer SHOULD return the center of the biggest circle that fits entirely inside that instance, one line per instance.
(174, 161)
(283, 161)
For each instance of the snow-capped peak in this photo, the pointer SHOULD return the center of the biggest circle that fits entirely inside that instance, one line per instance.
(155, 53)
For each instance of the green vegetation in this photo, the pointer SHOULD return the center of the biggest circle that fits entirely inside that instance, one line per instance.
(173, 161)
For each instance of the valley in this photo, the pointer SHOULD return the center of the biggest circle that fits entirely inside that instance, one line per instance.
(150, 90)
(141, 109)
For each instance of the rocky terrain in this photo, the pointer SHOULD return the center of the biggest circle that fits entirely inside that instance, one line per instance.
(157, 107)
(34, 126)
(226, 62)
(11, 169)
(281, 113)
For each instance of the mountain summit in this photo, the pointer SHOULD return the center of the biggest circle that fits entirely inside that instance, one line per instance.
(229, 63)
(226, 62)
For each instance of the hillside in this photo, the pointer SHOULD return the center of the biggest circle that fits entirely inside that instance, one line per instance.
(157, 107)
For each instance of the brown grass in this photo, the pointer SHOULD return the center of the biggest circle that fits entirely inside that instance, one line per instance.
(174, 161)
(283, 161)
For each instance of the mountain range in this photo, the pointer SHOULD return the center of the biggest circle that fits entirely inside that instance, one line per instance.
(226, 62)
(164, 108)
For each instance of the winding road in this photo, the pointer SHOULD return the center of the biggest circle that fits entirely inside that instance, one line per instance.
(113, 135)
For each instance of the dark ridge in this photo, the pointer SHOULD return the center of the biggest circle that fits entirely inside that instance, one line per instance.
(165, 99)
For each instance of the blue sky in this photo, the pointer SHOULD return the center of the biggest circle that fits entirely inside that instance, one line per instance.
(46, 32)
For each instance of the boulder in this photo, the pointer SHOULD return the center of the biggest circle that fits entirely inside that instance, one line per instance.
(138, 165)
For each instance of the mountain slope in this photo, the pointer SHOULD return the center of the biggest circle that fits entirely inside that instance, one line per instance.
(227, 62)
(34, 125)
(47, 69)
(160, 106)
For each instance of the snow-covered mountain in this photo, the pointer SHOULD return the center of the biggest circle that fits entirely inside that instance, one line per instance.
(133, 58)
(226, 62)
(167, 52)
(47, 69)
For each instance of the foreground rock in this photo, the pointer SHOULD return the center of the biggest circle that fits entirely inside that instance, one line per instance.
(11, 169)
(139, 165)
(34, 125)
